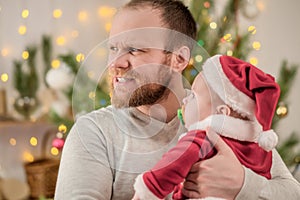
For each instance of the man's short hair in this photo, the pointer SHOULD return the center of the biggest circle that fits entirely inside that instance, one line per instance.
(174, 14)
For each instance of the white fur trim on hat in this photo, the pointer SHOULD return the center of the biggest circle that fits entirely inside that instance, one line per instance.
(267, 140)
(142, 190)
(218, 81)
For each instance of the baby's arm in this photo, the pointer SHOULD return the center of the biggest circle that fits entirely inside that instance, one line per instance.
(172, 169)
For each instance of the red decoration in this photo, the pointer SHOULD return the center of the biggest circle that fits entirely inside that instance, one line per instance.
(58, 143)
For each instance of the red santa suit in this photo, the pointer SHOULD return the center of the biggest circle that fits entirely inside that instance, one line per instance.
(248, 91)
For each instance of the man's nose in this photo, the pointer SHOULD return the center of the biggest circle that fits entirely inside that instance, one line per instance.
(120, 61)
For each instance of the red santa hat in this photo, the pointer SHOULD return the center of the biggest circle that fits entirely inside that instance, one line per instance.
(247, 90)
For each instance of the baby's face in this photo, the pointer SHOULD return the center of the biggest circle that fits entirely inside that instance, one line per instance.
(197, 106)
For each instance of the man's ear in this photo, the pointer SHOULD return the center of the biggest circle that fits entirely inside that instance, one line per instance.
(223, 109)
(180, 58)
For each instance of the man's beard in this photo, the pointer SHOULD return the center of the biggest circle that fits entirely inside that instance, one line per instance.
(147, 92)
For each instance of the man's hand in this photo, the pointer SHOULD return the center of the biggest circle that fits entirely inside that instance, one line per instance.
(220, 176)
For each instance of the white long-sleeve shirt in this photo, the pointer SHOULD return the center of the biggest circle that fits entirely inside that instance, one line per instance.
(106, 150)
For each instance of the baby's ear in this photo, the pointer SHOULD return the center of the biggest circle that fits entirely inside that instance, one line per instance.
(180, 58)
(223, 109)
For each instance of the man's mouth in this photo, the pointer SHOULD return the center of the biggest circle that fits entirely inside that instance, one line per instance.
(123, 79)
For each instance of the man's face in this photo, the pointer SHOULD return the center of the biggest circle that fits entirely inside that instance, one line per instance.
(139, 66)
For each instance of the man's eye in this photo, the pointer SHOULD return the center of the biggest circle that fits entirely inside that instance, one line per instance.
(113, 49)
(133, 50)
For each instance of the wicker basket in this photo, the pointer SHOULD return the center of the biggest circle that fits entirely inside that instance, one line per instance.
(42, 176)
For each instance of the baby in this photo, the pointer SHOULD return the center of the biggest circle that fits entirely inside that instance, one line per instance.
(234, 99)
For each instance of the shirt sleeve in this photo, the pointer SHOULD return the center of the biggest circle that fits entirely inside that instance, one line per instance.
(282, 185)
(84, 171)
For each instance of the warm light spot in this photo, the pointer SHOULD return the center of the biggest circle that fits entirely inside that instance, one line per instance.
(206, 4)
(102, 52)
(80, 57)
(91, 74)
(191, 62)
(229, 53)
(57, 13)
(12, 141)
(107, 26)
(25, 13)
(54, 151)
(59, 135)
(198, 58)
(260, 5)
(82, 16)
(55, 63)
(225, 19)
(33, 141)
(252, 29)
(28, 157)
(60, 40)
(74, 34)
(22, 30)
(106, 11)
(62, 128)
(253, 61)
(213, 25)
(25, 55)
(4, 52)
(4, 77)
(256, 45)
(227, 37)
(92, 95)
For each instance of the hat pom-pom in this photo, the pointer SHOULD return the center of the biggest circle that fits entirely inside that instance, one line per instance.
(267, 140)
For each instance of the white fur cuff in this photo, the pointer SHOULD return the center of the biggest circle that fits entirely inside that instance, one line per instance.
(142, 190)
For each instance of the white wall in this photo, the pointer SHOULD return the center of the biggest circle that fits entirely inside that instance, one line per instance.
(278, 30)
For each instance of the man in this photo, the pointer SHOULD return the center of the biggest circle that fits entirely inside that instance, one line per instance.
(108, 148)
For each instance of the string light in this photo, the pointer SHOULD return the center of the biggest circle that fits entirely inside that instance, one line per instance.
(57, 13)
(253, 61)
(25, 55)
(28, 157)
(213, 25)
(82, 16)
(256, 45)
(22, 30)
(25, 13)
(33, 141)
(62, 128)
(60, 40)
(80, 57)
(92, 95)
(4, 52)
(227, 37)
(206, 4)
(107, 26)
(55, 63)
(191, 62)
(252, 30)
(4, 77)
(229, 53)
(198, 58)
(12, 141)
(106, 11)
(54, 151)
(74, 34)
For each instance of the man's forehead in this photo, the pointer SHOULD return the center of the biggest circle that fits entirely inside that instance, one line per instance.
(146, 37)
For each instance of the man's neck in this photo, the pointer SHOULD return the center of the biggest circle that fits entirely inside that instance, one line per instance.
(166, 109)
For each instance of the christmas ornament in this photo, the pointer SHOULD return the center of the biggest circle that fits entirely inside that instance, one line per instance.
(58, 143)
(282, 110)
(249, 9)
(60, 78)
